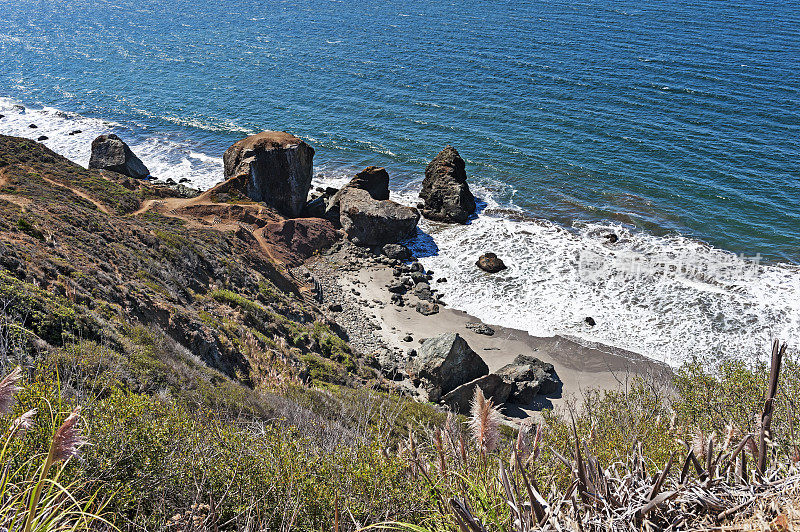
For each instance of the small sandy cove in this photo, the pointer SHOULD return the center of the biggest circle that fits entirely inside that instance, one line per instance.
(367, 310)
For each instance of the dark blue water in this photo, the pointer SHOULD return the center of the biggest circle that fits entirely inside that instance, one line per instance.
(666, 118)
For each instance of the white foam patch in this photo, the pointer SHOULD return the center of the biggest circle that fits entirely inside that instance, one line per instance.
(716, 305)
(163, 157)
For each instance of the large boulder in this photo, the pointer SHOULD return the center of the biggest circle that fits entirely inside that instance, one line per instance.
(109, 152)
(445, 362)
(445, 192)
(373, 179)
(370, 222)
(274, 167)
(529, 377)
(493, 387)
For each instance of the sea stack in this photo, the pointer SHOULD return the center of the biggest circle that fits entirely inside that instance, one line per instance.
(445, 192)
(275, 167)
(109, 152)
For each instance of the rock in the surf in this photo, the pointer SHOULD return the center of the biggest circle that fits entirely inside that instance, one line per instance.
(273, 167)
(493, 387)
(445, 192)
(370, 222)
(109, 152)
(489, 262)
(445, 362)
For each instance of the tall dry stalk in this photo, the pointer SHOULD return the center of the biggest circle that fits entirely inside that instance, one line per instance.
(484, 423)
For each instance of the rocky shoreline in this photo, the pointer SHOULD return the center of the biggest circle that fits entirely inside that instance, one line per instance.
(344, 248)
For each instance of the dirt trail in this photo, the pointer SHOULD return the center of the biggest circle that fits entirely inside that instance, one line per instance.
(102, 208)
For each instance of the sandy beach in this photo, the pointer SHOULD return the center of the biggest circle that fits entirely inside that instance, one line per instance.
(357, 280)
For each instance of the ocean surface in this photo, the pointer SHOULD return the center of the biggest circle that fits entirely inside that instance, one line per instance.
(674, 124)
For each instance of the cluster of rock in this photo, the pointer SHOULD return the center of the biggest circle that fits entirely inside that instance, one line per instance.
(411, 278)
(448, 371)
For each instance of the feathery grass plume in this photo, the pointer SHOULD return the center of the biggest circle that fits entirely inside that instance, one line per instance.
(66, 442)
(484, 423)
(68, 439)
(8, 388)
(699, 444)
(23, 423)
(439, 444)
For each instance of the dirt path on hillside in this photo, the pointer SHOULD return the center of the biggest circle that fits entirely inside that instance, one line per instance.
(102, 208)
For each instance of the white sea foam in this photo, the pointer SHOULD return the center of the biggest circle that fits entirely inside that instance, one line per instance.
(667, 315)
(713, 304)
(164, 158)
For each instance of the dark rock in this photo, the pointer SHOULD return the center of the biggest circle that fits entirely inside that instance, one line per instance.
(33, 126)
(418, 277)
(441, 280)
(41, 138)
(397, 287)
(590, 321)
(446, 362)
(445, 192)
(423, 291)
(2, 116)
(480, 328)
(490, 263)
(408, 338)
(317, 207)
(335, 307)
(426, 309)
(612, 238)
(398, 300)
(530, 376)
(373, 179)
(273, 167)
(75, 132)
(171, 181)
(183, 180)
(492, 386)
(370, 222)
(18, 108)
(109, 152)
(396, 251)
(416, 267)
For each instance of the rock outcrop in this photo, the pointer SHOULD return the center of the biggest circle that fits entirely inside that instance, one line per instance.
(296, 239)
(370, 222)
(109, 152)
(445, 192)
(274, 167)
(446, 362)
(493, 387)
(489, 262)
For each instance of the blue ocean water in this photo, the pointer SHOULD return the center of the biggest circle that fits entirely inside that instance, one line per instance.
(674, 123)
